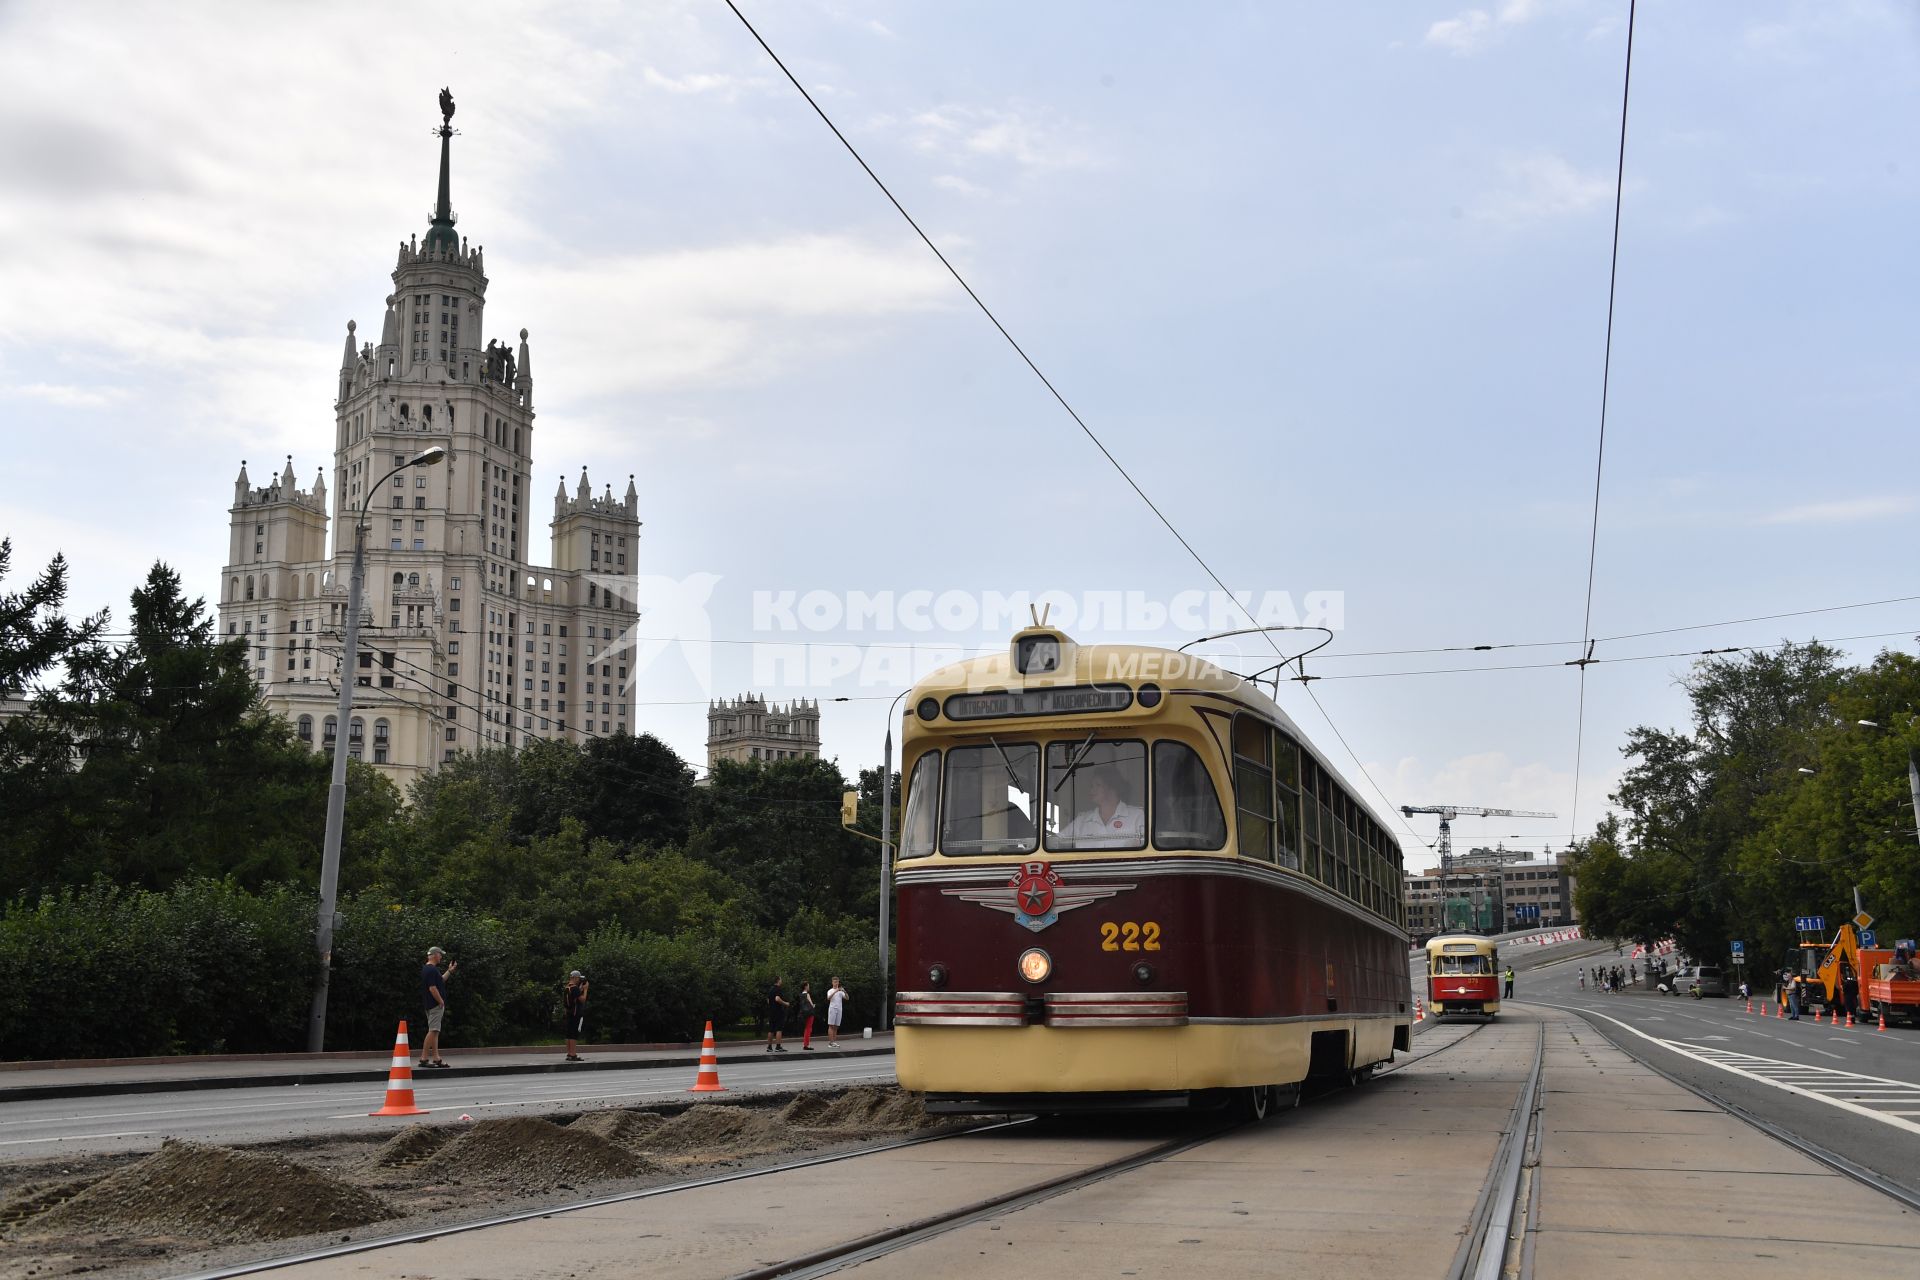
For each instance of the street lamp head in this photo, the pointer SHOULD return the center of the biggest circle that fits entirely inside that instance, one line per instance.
(427, 457)
(1868, 724)
(1808, 772)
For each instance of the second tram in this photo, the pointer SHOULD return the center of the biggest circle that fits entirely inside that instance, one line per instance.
(1126, 879)
(1463, 975)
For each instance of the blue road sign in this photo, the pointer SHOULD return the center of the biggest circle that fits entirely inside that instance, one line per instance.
(1739, 949)
(1866, 938)
(1905, 943)
(1810, 924)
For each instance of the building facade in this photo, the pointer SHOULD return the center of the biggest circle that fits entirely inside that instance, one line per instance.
(752, 729)
(1537, 893)
(466, 641)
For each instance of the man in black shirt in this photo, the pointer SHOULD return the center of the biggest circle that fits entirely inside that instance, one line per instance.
(433, 995)
(573, 1000)
(776, 1017)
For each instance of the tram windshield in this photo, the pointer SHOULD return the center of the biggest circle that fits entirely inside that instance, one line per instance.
(923, 806)
(1096, 795)
(990, 799)
(1453, 965)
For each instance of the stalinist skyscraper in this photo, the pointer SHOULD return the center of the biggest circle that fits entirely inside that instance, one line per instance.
(465, 643)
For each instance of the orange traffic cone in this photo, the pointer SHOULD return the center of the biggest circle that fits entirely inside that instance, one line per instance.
(1849, 1019)
(1763, 1008)
(1749, 1006)
(400, 1081)
(1419, 1010)
(1780, 1011)
(1883, 1017)
(708, 1080)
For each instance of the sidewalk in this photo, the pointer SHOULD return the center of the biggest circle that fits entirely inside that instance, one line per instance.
(25, 1081)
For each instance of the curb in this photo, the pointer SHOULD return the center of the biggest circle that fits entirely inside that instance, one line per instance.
(109, 1088)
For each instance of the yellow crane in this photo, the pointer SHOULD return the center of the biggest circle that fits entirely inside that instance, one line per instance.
(1447, 813)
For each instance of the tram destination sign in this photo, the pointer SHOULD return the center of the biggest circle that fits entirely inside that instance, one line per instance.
(1066, 701)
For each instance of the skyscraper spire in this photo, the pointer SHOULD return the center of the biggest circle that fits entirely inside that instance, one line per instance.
(440, 236)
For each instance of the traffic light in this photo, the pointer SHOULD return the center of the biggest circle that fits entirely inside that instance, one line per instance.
(849, 808)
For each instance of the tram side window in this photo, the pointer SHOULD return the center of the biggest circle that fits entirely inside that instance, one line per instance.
(923, 807)
(1095, 794)
(989, 799)
(1186, 810)
(1253, 787)
(1286, 781)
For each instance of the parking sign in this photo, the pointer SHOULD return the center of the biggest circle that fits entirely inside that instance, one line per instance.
(1738, 948)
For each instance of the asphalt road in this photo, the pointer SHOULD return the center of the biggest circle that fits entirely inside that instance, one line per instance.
(139, 1122)
(1852, 1091)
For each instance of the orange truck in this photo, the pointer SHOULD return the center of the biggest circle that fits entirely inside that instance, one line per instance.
(1892, 987)
(1830, 968)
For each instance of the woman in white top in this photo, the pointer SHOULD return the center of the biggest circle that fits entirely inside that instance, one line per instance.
(836, 1004)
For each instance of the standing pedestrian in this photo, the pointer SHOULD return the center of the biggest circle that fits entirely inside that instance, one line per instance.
(776, 1017)
(573, 1006)
(806, 1016)
(433, 995)
(836, 1009)
(1583, 979)
(1509, 994)
(1793, 997)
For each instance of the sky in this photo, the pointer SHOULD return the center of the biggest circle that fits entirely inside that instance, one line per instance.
(1329, 281)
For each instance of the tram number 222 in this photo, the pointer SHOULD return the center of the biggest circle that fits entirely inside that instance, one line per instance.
(1128, 936)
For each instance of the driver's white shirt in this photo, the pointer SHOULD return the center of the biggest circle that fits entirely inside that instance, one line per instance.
(1089, 831)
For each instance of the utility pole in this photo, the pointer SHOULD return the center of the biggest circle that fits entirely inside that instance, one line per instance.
(337, 791)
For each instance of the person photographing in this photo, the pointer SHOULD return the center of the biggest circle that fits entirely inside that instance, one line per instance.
(433, 995)
(573, 1008)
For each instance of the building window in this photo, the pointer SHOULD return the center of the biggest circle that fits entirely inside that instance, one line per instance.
(330, 729)
(306, 728)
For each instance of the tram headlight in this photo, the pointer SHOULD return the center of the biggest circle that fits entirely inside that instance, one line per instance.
(1035, 964)
(1143, 974)
(1149, 695)
(928, 708)
(937, 975)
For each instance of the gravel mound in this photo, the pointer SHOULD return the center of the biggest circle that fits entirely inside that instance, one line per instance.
(620, 1127)
(212, 1193)
(718, 1132)
(807, 1111)
(411, 1145)
(536, 1153)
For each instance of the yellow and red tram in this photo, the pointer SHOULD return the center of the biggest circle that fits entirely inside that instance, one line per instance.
(1126, 879)
(1463, 975)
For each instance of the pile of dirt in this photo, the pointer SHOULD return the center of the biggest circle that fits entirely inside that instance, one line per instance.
(620, 1127)
(411, 1145)
(211, 1193)
(871, 1107)
(536, 1153)
(806, 1111)
(25, 1201)
(718, 1132)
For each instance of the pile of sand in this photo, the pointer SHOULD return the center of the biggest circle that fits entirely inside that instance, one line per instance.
(620, 1127)
(211, 1193)
(808, 1111)
(871, 1107)
(411, 1145)
(719, 1132)
(535, 1153)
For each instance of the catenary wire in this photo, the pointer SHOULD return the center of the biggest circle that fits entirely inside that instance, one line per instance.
(1179, 537)
(1600, 453)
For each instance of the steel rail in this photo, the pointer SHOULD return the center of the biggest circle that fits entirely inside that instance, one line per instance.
(879, 1244)
(1482, 1252)
(1832, 1159)
(524, 1215)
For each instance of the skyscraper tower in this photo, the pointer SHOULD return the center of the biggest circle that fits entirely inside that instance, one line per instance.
(465, 642)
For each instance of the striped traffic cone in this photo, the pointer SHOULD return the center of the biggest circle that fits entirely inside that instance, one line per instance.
(1749, 1006)
(1883, 1017)
(1849, 1019)
(1419, 1010)
(708, 1080)
(400, 1081)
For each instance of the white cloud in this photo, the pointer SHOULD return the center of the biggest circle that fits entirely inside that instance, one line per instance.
(1541, 186)
(697, 82)
(1843, 511)
(68, 397)
(963, 135)
(954, 182)
(1475, 29)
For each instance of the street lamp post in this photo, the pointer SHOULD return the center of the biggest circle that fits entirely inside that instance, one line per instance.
(337, 792)
(886, 860)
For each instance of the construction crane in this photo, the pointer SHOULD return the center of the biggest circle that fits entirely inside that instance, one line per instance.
(1447, 813)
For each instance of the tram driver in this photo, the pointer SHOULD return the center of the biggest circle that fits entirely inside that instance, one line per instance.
(1110, 822)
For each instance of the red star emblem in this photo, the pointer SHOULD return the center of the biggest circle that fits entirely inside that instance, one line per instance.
(1033, 890)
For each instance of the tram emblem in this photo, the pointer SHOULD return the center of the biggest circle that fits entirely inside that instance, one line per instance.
(1036, 895)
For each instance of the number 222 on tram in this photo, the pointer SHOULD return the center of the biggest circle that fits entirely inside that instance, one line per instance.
(1127, 880)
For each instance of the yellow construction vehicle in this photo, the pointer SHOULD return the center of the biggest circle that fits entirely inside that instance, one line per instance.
(1833, 970)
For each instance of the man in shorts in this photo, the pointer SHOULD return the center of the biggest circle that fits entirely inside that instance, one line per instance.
(836, 1009)
(573, 1004)
(433, 994)
(776, 1017)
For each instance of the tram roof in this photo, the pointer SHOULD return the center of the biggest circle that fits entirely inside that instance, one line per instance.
(1132, 664)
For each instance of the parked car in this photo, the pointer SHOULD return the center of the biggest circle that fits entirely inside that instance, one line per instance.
(1709, 978)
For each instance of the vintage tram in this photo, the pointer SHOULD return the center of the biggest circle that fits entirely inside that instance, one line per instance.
(1463, 976)
(1125, 880)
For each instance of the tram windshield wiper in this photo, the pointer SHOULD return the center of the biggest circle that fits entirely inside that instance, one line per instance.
(1073, 761)
(1012, 777)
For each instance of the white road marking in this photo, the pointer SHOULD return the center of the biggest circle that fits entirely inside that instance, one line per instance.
(77, 1137)
(1748, 1067)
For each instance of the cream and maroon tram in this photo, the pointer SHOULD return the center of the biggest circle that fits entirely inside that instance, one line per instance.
(1463, 975)
(1127, 879)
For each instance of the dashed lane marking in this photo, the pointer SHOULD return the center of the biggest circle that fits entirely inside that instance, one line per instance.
(77, 1137)
(1788, 1076)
